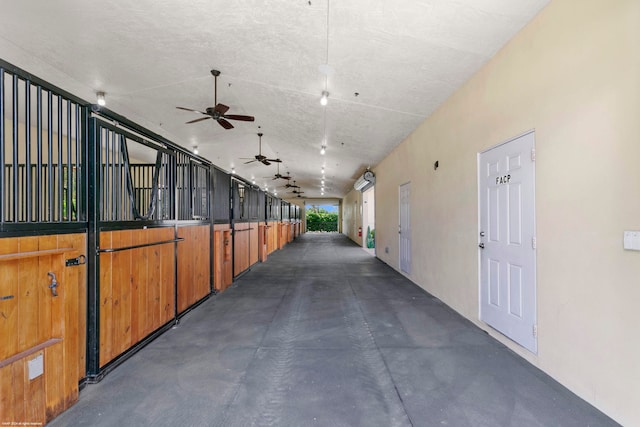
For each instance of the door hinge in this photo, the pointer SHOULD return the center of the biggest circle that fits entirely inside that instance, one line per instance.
(533, 242)
(533, 154)
(535, 331)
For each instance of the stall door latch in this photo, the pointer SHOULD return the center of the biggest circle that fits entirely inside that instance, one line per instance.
(76, 261)
(54, 284)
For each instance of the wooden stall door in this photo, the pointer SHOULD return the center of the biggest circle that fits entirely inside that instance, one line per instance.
(272, 237)
(222, 252)
(43, 328)
(254, 244)
(241, 233)
(193, 265)
(262, 242)
(136, 287)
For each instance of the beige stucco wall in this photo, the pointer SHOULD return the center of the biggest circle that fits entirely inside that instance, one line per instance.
(352, 215)
(573, 75)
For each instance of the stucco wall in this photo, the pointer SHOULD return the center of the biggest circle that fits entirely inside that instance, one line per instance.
(352, 215)
(572, 75)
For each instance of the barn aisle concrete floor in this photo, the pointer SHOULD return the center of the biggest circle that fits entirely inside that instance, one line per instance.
(323, 334)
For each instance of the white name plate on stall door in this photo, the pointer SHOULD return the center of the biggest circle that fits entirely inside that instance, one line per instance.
(36, 366)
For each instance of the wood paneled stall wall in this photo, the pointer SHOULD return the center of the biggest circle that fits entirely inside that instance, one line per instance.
(283, 239)
(272, 236)
(194, 278)
(137, 292)
(254, 243)
(222, 257)
(42, 329)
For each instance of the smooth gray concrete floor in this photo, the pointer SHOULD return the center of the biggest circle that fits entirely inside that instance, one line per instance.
(323, 334)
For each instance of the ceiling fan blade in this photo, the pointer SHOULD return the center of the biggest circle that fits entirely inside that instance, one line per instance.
(225, 124)
(239, 117)
(221, 108)
(265, 162)
(274, 160)
(250, 161)
(190, 109)
(198, 120)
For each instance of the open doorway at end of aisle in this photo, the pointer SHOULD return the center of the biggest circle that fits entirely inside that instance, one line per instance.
(322, 217)
(369, 221)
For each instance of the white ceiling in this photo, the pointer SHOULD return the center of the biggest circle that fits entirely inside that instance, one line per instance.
(404, 58)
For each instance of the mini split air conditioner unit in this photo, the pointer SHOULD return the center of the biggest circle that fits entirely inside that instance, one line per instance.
(366, 181)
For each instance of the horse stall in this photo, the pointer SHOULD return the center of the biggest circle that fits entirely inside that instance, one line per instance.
(245, 214)
(109, 233)
(272, 228)
(285, 227)
(149, 238)
(43, 242)
(222, 238)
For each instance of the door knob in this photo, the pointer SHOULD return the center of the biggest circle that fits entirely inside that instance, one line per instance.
(482, 234)
(481, 245)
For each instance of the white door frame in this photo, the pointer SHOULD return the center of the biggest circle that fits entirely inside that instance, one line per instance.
(532, 346)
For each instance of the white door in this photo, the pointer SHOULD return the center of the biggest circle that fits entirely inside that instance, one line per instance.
(507, 240)
(404, 228)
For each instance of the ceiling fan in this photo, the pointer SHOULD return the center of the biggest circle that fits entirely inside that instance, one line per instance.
(217, 113)
(296, 191)
(289, 185)
(259, 157)
(278, 176)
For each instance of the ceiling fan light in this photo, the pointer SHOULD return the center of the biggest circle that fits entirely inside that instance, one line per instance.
(324, 99)
(100, 99)
(195, 149)
(323, 150)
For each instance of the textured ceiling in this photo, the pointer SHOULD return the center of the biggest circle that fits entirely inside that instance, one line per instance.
(403, 58)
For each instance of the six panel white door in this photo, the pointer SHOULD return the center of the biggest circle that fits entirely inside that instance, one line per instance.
(507, 240)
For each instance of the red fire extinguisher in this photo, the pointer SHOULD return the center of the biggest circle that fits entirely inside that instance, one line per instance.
(359, 231)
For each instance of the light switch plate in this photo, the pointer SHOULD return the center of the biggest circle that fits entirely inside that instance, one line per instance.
(631, 240)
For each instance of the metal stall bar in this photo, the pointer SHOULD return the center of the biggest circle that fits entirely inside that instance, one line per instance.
(50, 181)
(60, 176)
(2, 145)
(14, 215)
(27, 119)
(38, 189)
(95, 198)
(69, 207)
(79, 168)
